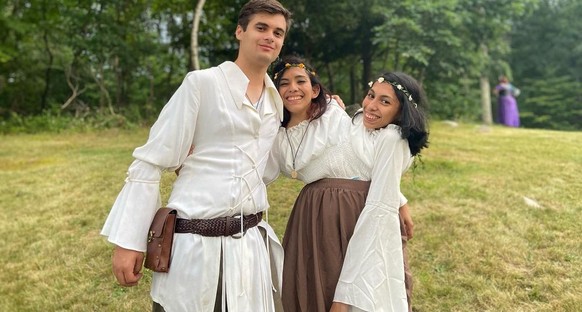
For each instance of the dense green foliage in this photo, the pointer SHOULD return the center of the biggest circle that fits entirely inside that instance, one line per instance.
(122, 60)
(551, 81)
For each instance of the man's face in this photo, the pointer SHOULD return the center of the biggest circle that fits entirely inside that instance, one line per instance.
(263, 39)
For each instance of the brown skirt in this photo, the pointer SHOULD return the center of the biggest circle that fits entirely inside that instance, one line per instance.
(316, 240)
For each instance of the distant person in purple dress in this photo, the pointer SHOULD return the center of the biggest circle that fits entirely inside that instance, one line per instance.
(507, 105)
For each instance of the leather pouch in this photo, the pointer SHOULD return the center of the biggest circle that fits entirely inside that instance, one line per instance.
(160, 238)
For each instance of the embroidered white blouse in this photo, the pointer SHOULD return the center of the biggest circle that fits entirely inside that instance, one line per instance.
(222, 177)
(372, 277)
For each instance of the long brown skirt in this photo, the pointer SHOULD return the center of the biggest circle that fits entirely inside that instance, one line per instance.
(316, 240)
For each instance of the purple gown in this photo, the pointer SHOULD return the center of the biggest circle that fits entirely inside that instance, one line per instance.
(507, 105)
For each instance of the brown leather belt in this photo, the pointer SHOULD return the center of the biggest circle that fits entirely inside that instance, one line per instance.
(224, 226)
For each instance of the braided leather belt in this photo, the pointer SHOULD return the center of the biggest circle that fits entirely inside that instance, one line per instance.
(224, 226)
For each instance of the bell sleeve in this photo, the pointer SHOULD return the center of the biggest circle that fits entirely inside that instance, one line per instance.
(167, 147)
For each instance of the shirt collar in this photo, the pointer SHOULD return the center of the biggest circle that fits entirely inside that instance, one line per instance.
(238, 82)
(274, 93)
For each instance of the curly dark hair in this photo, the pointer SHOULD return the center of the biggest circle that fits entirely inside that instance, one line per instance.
(412, 119)
(319, 104)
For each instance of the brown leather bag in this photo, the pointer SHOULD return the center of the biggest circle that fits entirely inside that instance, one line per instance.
(160, 238)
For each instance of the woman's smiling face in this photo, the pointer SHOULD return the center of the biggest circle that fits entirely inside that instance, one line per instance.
(381, 106)
(297, 91)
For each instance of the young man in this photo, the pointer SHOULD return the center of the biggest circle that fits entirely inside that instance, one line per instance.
(231, 114)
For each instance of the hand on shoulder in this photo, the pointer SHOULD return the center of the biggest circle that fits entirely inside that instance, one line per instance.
(338, 100)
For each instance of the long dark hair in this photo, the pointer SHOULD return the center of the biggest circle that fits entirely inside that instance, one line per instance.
(319, 104)
(411, 118)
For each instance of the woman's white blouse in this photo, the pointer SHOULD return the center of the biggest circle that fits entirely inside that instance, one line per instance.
(324, 151)
(334, 146)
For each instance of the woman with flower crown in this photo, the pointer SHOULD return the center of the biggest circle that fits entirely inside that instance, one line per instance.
(346, 219)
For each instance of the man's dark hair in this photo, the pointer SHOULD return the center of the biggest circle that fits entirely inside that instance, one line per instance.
(253, 7)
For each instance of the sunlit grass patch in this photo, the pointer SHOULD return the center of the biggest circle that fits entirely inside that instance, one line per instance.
(478, 245)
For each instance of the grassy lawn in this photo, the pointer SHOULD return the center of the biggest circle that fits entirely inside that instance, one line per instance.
(477, 247)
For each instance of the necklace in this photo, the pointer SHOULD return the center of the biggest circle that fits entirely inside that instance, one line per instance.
(257, 105)
(294, 153)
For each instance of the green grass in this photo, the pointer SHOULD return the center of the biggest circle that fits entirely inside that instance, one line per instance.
(477, 245)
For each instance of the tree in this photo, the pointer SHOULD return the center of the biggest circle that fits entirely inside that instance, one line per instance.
(116, 60)
(195, 24)
(546, 58)
(487, 27)
(338, 43)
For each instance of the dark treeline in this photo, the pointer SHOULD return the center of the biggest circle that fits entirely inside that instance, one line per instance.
(121, 60)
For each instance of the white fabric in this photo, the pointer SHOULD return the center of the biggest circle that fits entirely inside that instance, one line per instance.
(223, 177)
(326, 150)
(372, 277)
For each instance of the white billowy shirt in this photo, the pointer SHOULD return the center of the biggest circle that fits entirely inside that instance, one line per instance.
(325, 150)
(222, 177)
(335, 146)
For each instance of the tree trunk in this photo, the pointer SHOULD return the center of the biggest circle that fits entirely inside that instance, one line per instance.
(73, 83)
(366, 50)
(485, 89)
(151, 96)
(194, 36)
(47, 77)
(330, 84)
(119, 81)
(366, 68)
(105, 98)
(353, 86)
(486, 100)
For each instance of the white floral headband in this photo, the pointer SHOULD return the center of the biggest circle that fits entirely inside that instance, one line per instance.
(397, 86)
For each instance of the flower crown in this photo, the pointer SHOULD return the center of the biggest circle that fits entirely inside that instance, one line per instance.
(397, 86)
(289, 65)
